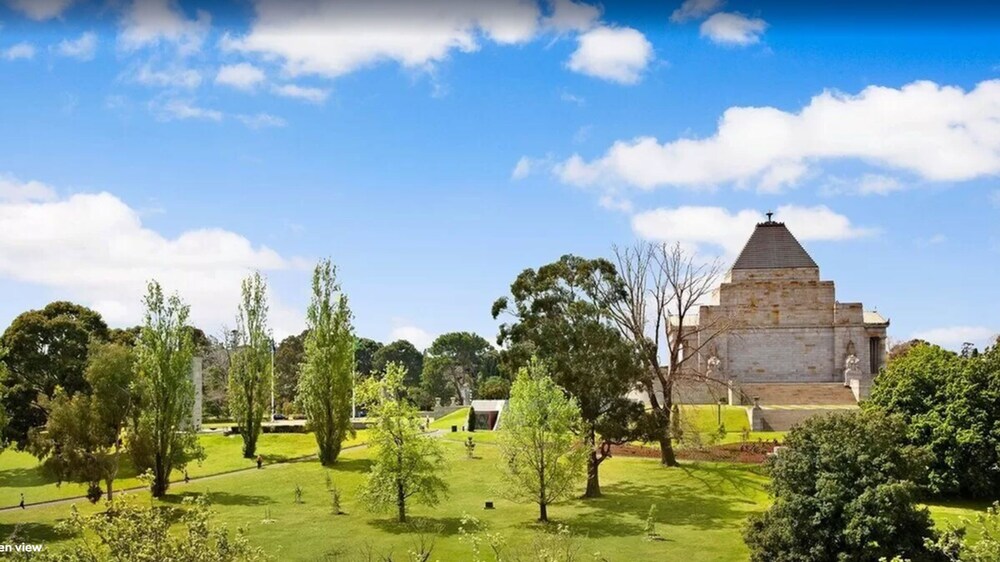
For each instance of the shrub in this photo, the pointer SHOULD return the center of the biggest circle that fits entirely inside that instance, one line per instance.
(844, 490)
(471, 424)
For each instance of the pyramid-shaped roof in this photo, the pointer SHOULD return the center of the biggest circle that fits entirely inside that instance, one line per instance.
(772, 246)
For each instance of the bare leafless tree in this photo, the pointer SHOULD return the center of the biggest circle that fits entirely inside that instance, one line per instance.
(660, 291)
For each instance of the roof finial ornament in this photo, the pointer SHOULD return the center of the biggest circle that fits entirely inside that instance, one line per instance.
(769, 215)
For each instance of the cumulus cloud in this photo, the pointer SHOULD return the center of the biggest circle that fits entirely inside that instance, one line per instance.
(171, 77)
(242, 76)
(334, 38)
(13, 190)
(82, 48)
(420, 338)
(695, 10)
(720, 229)
(616, 54)
(20, 51)
(154, 22)
(93, 247)
(314, 95)
(569, 16)
(261, 121)
(952, 337)
(733, 29)
(41, 10)
(937, 133)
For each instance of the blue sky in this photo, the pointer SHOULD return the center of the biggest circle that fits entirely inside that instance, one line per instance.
(433, 150)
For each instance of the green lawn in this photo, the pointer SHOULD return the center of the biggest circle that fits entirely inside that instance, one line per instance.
(20, 472)
(700, 510)
(457, 418)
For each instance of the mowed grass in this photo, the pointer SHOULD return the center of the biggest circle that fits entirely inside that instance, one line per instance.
(700, 510)
(20, 472)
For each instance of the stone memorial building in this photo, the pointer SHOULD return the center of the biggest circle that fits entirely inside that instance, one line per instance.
(776, 331)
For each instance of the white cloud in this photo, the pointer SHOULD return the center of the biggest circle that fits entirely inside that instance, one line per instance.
(573, 99)
(527, 166)
(179, 109)
(617, 54)
(938, 133)
(173, 77)
(82, 48)
(13, 190)
(567, 16)
(952, 337)
(261, 121)
(334, 38)
(614, 203)
(695, 10)
(314, 95)
(154, 22)
(876, 184)
(721, 229)
(733, 29)
(420, 338)
(20, 51)
(243, 76)
(95, 249)
(41, 10)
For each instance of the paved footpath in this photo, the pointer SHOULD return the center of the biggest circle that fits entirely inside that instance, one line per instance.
(181, 483)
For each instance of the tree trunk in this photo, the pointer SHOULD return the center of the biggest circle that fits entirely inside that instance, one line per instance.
(401, 502)
(110, 482)
(667, 457)
(543, 514)
(160, 479)
(593, 465)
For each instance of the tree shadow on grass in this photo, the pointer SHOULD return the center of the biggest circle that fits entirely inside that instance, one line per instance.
(25, 477)
(220, 498)
(351, 465)
(440, 526)
(30, 533)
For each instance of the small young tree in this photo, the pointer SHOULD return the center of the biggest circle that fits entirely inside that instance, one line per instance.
(845, 490)
(471, 422)
(161, 436)
(543, 461)
(143, 534)
(82, 440)
(405, 463)
(250, 368)
(325, 387)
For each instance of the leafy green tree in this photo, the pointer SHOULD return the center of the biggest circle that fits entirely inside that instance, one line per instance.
(364, 356)
(459, 357)
(493, 388)
(46, 348)
(561, 315)
(405, 463)
(161, 436)
(288, 360)
(845, 489)
(143, 534)
(404, 353)
(83, 437)
(325, 387)
(542, 460)
(949, 404)
(250, 368)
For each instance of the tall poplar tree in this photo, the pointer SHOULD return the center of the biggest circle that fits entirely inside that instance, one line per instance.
(325, 387)
(162, 436)
(250, 370)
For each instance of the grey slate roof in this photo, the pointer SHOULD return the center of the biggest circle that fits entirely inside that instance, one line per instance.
(772, 246)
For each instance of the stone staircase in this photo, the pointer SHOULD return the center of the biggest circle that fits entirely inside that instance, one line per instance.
(798, 394)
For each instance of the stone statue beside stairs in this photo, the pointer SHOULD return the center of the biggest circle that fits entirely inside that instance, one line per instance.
(852, 369)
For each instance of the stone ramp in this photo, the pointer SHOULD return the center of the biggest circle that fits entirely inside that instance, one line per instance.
(798, 394)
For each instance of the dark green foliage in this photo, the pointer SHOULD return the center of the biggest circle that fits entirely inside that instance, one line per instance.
(364, 356)
(46, 348)
(455, 361)
(561, 315)
(493, 388)
(950, 406)
(404, 353)
(288, 360)
(471, 424)
(845, 490)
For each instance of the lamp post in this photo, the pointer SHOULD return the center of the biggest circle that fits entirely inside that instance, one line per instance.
(719, 411)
